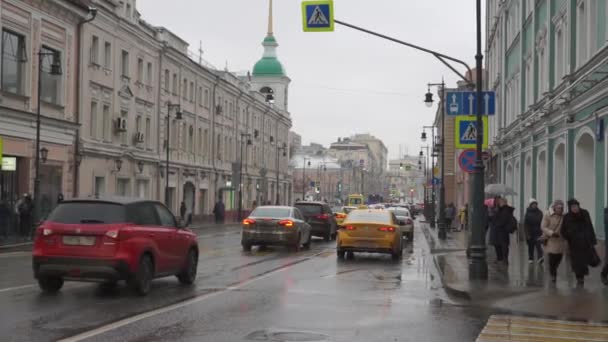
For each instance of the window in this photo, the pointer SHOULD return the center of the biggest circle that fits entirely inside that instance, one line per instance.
(200, 96)
(124, 64)
(140, 70)
(206, 100)
(100, 186)
(107, 59)
(93, 123)
(138, 124)
(174, 134)
(166, 218)
(123, 187)
(166, 84)
(190, 139)
(199, 138)
(143, 214)
(542, 72)
(529, 84)
(581, 33)
(89, 212)
(149, 80)
(191, 91)
(128, 11)
(560, 55)
(51, 83)
(148, 133)
(105, 128)
(13, 60)
(143, 186)
(205, 142)
(185, 89)
(124, 114)
(184, 138)
(175, 84)
(95, 50)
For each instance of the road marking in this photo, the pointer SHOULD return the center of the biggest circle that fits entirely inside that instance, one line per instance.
(515, 329)
(124, 322)
(17, 288)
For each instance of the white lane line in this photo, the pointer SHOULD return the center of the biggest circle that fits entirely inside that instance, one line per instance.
(124, 322)
(17, 288)
(15, 254)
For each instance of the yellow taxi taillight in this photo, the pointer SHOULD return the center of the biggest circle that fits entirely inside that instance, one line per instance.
(387, 229)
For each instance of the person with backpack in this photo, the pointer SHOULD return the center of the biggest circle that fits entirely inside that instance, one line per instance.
(503, 225)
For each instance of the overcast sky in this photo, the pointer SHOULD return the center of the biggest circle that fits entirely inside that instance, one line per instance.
(343, 82)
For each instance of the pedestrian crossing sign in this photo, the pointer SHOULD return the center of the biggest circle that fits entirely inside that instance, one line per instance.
(318, 16)
(466, 132)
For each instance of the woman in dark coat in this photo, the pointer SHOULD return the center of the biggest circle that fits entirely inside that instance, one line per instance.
(500, 230)
(532, 221)
(578, 230)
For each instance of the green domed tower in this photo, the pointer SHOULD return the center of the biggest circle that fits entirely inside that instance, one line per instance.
(269, 76)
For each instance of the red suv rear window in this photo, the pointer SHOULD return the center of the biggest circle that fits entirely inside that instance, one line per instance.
(88, 212)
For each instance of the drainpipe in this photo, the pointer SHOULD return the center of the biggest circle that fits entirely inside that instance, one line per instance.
(159, 106)
(213, 137)
(77, 104)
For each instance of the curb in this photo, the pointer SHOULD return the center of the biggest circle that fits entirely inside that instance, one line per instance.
(452, 291)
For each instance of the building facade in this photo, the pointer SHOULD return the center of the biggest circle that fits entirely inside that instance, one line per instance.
(49, 30)
(547, 61)
(144, 93)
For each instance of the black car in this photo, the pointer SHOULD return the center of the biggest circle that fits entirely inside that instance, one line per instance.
(321, 219)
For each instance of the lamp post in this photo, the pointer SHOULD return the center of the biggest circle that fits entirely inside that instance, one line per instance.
(282, 148)
(55, 70)
(240, 194)
(306, 160)
(478, 267)
(432, 173)
(178, 116)
(442, 233)
(427, 206)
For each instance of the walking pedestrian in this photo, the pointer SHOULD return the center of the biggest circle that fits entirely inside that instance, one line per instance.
(464, 217)
(605, 270)
(555, 245)
(59, 198)
(219, 211)
(532, 229)
(503, 225)
(25, 209)
(5, 214)
(450, 214)
(577, 229)
(182, 211)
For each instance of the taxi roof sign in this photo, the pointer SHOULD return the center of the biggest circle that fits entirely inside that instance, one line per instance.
(318, 16)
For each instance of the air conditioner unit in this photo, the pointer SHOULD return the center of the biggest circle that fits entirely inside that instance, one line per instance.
(121, 124)
(139, 137)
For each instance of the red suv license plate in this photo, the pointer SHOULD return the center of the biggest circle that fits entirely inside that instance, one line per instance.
(79, 240)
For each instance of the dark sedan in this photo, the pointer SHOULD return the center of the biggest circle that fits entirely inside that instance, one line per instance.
(276, 225)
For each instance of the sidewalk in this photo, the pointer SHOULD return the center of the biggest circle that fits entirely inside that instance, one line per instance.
(13, 243)
(519, 287)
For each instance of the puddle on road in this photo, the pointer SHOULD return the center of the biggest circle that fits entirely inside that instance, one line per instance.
(286, 336)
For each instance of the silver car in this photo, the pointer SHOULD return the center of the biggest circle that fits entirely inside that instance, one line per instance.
(405, 221)
(276, 225)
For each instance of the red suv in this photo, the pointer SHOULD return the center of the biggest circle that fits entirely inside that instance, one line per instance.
(108, 240)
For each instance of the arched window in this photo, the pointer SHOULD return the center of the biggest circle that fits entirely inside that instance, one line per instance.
(268, 94)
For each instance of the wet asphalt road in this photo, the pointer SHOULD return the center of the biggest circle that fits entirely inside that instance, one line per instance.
(267, 295)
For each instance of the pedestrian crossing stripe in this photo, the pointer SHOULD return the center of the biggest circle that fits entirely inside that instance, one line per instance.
(520, 329)
(318, 18)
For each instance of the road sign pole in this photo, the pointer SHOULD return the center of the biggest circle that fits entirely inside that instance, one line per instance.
(478, 267)
(441, 225)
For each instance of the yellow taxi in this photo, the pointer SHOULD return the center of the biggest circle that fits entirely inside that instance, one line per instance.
(356, 201)
(371, 231)
(341, 215)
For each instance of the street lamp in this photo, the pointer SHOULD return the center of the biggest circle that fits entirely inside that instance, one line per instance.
(432, 173)
(282, 148)
(244, 142)
(428, 98)
(178, 116)
(56, 71)
(44, 154)
(306, 160)
(442, 233)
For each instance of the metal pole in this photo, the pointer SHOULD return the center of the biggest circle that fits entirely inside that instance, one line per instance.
(168, 129)
(478, 267)
(442, 219)
(304, 181)
(240, 209)
(432, 176)
(277, 183)
(37, 211)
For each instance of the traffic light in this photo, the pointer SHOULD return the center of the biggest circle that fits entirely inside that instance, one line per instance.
(400, 166)
(340, 187)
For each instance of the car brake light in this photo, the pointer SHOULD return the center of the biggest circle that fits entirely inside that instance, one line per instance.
(286, 223)
(387, 229)
(340, 215)
(248, 221)
(350, 228)
(112, 234)
(322, 216)
(46, 232)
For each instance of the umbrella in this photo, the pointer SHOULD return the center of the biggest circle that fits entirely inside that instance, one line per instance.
(494, 190)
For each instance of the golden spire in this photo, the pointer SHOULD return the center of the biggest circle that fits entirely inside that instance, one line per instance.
(270, 33)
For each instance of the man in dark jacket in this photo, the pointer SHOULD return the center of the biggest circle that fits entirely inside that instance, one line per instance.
(605, 270)
(578, 230)
(219, 211)
(503, 224)
(25, 208)
(532, 221)
(182, 211)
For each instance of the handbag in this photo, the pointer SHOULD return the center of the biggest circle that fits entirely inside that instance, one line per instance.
(594, 258)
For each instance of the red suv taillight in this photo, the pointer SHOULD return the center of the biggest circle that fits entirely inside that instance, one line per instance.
(322, 216)
(387, 229)
(286, 223)
(340, 215)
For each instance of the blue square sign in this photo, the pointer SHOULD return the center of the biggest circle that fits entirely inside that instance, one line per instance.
(317, 16)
